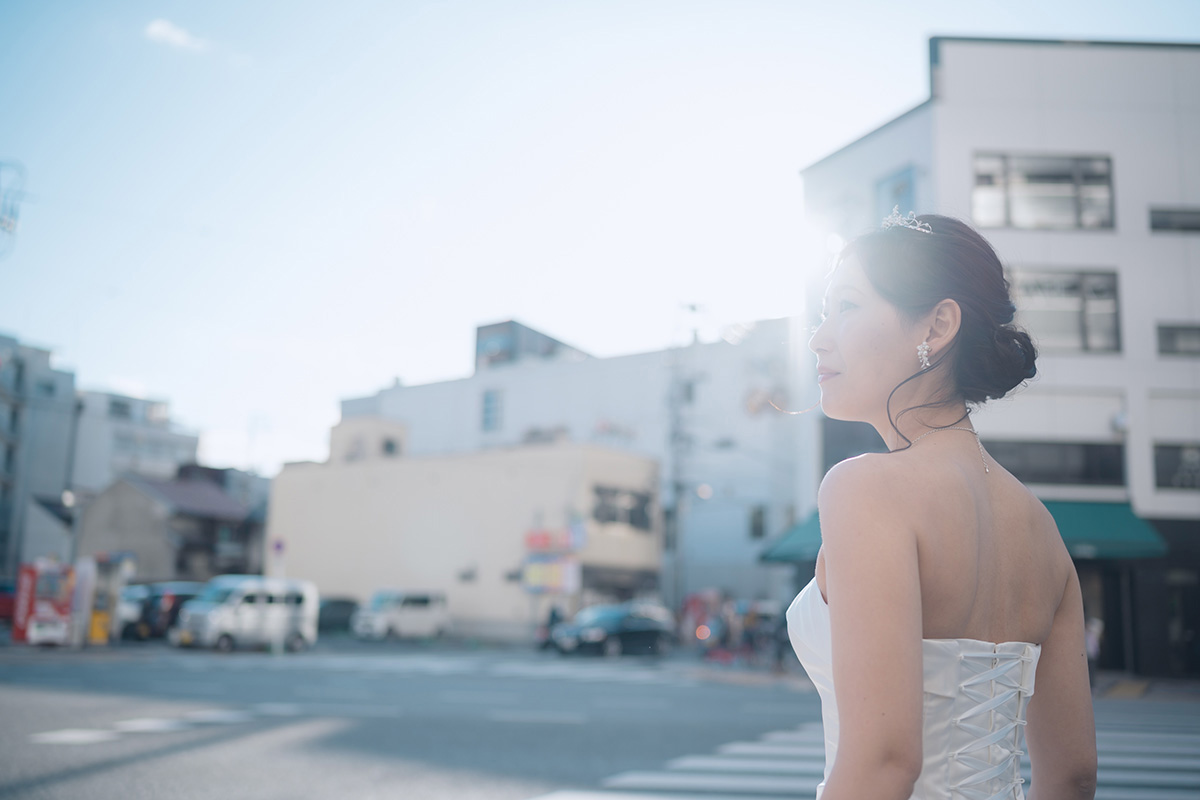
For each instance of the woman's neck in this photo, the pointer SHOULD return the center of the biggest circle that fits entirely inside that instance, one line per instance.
(911, 425)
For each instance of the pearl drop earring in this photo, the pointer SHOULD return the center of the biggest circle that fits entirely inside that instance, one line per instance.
(923, 354)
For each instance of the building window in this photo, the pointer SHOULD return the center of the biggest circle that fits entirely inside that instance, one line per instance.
(895, 190)
(120, 409)
(1062, 462)
(1179, 340)
(622, 505)
(758, 522)
(390, 448)
(1177, 466)
(1069, 311)
(1042, 192)
(46, 388)
(492, 410)
(1185, 220)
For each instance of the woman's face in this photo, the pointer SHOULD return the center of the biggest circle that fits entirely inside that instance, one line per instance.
(865, 347)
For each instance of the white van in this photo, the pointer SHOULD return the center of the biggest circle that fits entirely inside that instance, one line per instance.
(395, 614)
(250, 611)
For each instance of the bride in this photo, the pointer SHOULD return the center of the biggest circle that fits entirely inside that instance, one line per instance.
(942, 587)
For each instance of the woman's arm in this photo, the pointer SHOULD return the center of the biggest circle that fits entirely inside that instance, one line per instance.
(1060, 729)
(873, 586)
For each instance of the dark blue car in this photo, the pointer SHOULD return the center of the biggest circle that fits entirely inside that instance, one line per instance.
(614, 630)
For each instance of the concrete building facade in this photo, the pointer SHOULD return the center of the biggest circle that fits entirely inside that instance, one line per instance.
(118, 434)
(1080, 162)
(502, 533)
(37, 412)
(741, 469)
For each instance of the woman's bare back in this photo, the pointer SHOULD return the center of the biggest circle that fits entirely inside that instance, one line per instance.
(992, 564)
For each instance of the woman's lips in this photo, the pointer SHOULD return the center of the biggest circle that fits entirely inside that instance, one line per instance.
(824, 376)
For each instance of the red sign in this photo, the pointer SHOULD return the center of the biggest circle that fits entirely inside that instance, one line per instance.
(23, 603)
(547, 541)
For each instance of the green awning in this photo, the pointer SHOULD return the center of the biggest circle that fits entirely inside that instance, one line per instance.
(798, 543)
(1105, 530)
(1090, 530)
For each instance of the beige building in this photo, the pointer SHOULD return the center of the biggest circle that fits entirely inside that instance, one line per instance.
(503, 533)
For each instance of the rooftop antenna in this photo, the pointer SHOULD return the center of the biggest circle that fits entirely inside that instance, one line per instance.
(12, 191)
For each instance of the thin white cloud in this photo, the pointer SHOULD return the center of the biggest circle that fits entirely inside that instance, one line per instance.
(168, 33)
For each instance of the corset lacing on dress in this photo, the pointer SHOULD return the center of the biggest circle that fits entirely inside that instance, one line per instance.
(1000, 693)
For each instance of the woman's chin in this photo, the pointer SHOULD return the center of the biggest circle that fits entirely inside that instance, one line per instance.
(833, 409)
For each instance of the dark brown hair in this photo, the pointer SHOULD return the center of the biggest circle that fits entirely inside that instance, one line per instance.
(914, 271)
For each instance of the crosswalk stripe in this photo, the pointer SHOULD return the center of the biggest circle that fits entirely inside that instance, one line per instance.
(762, 766)
(572, 794)
(692, 781)
(785, 750)
(1136, 762)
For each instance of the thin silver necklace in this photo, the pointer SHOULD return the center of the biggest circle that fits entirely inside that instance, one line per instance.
(982, 456)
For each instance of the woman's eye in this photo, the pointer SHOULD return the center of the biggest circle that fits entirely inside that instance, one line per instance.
(845, 305)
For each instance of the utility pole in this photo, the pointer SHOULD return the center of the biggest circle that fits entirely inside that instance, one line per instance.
(678, 395)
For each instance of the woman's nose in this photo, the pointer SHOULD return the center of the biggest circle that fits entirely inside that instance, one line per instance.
(818, 341)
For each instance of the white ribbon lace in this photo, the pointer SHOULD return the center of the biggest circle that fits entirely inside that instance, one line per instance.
(999, 707)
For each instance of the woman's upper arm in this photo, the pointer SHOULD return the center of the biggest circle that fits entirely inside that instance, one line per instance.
(872, 581)
(1060, 730)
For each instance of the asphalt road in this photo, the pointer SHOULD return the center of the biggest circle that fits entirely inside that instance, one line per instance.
(354, 720)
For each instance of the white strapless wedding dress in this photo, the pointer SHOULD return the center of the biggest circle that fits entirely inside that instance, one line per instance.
(974, 706)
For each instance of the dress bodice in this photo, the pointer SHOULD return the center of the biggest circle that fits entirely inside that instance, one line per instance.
(975, 695)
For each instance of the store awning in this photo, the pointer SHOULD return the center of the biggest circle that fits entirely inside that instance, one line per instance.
(1105, 530)
(1090, 530)
(798, 543)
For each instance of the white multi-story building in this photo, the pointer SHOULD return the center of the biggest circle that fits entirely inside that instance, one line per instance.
(742, 470)
(117, 435)
(1080, 162)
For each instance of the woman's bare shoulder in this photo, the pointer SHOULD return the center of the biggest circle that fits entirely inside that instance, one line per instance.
(867, 488)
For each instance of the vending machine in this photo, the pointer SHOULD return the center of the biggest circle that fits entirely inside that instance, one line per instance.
(42, 611)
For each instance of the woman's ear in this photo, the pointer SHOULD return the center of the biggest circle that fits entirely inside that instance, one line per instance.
(944, 321)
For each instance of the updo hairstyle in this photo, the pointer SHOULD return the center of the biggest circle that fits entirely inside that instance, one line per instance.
(914, 271)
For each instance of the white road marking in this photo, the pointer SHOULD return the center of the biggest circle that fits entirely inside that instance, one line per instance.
(704, 782)
(764, 766)
(577, 795)
(150, 725)
(74, 736)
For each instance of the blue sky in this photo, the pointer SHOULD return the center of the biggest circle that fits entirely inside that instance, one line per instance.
(253, 210)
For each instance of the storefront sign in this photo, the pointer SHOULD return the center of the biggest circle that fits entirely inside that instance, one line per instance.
(545, 574)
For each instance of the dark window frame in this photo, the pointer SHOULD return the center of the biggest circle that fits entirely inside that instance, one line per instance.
(492, 410)
(1014, 276)
(1162, 457)
(1006, 184)
(1174, 220)
(1172, 331)
(1078, 463)
(758, 522)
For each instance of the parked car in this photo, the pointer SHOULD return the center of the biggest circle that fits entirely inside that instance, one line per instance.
(396, 614)
(335, 613)
(161, 606)
(615, 630)
(250, 611)
(8, 594)
(129, 610)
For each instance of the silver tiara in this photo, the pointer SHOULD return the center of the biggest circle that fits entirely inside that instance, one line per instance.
(910, 221)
